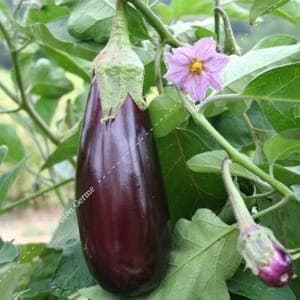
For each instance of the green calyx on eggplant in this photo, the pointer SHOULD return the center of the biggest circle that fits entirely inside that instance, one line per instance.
(124, 221)
(118, 69)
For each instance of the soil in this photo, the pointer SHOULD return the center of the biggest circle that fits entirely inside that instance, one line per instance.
(30, 225)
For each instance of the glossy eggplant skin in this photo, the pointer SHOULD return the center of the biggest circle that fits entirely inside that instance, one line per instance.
(123, 223)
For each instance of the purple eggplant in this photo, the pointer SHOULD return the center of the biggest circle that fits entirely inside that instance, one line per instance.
(122, 210)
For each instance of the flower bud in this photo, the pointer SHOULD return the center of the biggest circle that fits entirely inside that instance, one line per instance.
(265, 256)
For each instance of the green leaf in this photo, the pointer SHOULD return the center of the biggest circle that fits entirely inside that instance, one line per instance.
(248, 285)
(47, 81)
(72, 272)
(181, 8)
(44, 264)
(233, 128)
(55, 34)
(282, 145)
(46, 13)
(8, 178)
(15, 147)
(278, 84)
(197, 269)
(197, 190)
(3, 153)
(241, 69)
(281, 114)
(211, 162)
(275, 40)
(290, 12)
(264, 7)
(65, 150)
(166, 112)
(8, 252)
(76, 66)
(46, 108)
(95, 22)
(10, 276)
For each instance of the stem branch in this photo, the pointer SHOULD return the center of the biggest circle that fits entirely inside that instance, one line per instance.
(33, 196)
(234, 154)
(156, 23)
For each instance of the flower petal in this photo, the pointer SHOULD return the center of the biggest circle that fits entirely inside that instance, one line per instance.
(216, 63)
(177, 74)
(204, 48)
(177, 59)
(215, 80)
(196, 86)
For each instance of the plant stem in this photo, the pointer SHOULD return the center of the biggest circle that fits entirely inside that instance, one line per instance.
(25, 104)
(9, 93)
(234, 154)
(259, 151)
(241, 212)
(258, 196)
(33, 196)
(156, 23)
(217, 22)
(10, 111)
(157, 68)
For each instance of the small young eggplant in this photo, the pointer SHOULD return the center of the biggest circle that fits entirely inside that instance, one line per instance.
(123, 222)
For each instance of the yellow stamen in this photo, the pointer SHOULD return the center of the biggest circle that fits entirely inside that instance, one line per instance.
(196, 66)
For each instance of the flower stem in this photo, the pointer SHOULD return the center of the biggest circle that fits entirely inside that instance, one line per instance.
(156, 23)
(241, 212)
(234, 154)
(33, 196)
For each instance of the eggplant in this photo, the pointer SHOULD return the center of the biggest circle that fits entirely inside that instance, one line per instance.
(122, 209)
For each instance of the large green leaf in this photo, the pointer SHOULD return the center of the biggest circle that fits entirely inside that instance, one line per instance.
(44, 264)
(204, 256)
(8, 252)
(241, 69)
(168, 108)
(65, 150)
(77, 66)
(264, 7)
(95, 22)
(46, 108)
(72, 272)
(15, 147)
(45, 13)
(48, 81)
(55, 34)
(281, 115)
(275, 40)
(179, 8)
(187, 191)
(248, 285)
(8, 178)
(278, 84)
(282, 145)
(211, 162)
(290, 12)
(10, 276)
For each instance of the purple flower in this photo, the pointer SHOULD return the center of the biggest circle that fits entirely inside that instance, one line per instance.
(196, 68)
(265, 256)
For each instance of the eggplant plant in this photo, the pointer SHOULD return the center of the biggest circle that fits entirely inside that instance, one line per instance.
(169, 139)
